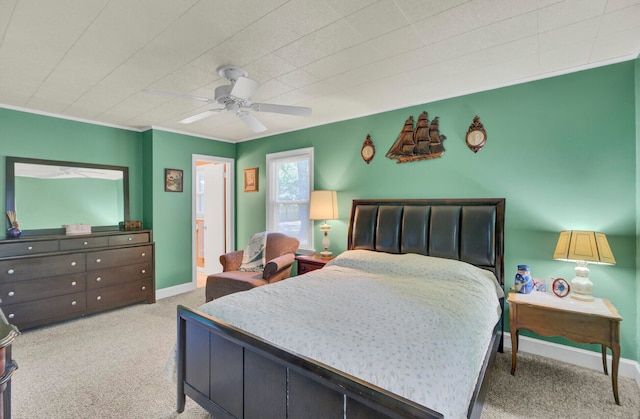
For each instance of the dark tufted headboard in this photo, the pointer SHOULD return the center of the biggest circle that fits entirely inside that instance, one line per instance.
(470, 230)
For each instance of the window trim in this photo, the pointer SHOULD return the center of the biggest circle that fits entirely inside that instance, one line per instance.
(271, 180)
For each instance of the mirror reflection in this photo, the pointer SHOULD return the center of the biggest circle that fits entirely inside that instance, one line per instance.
(49, 195)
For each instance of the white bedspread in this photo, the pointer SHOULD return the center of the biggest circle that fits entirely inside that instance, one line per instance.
(417, 326)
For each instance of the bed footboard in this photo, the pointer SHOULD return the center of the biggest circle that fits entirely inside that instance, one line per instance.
(233, 374)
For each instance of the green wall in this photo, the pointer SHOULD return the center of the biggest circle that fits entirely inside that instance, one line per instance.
(637, 92)
(560, 150)
(171, 211)
(35, 136)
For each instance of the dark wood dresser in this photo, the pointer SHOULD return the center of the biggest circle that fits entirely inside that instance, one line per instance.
(52, 278)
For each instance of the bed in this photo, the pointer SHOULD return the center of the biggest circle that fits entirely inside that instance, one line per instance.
(275, 369)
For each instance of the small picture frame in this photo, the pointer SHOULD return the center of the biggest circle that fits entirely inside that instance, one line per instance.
(173, 180)
(251, 179)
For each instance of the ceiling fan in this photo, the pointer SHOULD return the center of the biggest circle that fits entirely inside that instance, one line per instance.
(236, 98)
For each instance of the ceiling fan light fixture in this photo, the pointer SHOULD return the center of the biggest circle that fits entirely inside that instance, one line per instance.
(236, 96)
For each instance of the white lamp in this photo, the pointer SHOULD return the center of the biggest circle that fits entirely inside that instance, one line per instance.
(583, 247)
(324, 206)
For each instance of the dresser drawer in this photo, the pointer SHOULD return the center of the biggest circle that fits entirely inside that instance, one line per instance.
(116, 276)
(35, 289)
(133, 238)
(20, 248)
(84, 243)
(118, 257)
(31, 312)
(119, 295)
(40, 267)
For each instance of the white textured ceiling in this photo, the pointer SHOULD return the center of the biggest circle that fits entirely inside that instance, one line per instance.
(92, 59)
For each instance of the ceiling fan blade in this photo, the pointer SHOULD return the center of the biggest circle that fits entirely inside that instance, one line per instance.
(288, 110)
(160, 93)
(244, 88)
(251, 121)
(199, 116)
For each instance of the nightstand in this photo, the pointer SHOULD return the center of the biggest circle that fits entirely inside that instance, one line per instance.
(543, 313)
(308, 263)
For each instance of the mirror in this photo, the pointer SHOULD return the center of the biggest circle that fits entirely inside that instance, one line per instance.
(47, 194)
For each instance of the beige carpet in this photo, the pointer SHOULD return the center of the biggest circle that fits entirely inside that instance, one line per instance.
(111, 365)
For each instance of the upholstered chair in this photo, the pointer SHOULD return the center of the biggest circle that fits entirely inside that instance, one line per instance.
(279, 255)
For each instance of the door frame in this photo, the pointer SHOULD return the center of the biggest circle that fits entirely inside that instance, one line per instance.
(230, 207)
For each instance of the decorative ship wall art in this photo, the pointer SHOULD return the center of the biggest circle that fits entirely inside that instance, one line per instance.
(422, 142)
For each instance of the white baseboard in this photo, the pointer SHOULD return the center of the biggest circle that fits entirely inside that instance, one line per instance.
(589, 359)
(175, 290)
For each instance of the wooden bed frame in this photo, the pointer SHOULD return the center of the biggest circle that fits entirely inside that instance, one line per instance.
(234, 374)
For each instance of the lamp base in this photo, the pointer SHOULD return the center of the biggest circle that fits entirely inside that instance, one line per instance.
(325, 254)
(581, 285)
(582, 297)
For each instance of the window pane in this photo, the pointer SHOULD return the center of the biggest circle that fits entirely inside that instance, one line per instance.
(289, 184)
(292, 221)
(293, 181)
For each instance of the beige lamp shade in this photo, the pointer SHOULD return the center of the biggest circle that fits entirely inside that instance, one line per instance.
(588, 246)
(323, 205)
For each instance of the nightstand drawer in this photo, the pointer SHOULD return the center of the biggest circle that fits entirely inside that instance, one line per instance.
(304, 267)
(308, 263)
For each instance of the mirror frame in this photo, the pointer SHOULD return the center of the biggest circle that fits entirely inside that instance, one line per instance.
(10, 190)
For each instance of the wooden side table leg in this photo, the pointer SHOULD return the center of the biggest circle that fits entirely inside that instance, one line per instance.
(615, 350)
(604, 360)
(514, 350)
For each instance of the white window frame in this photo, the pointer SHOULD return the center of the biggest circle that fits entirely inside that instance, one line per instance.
(273, 159)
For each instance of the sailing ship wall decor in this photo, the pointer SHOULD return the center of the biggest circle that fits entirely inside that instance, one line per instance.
(422, 142)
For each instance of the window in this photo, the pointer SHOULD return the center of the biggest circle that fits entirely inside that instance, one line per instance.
(289, 185)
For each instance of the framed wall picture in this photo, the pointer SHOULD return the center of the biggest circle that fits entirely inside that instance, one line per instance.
(251, 180)
(173, 180)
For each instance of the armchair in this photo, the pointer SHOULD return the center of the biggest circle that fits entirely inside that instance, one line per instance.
(280, 255)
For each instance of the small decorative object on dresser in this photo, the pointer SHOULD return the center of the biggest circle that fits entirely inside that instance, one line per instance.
(368, 150)
(523, 282)
(173, 180)
(560, 287)
(476, 135)
(14, 230)
(251, 179)
(308, 263)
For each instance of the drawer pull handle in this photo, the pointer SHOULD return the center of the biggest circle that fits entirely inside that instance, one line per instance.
(143, 254)
(144, 288)
(130, 238)
(11, 315)
(98, 260)
(10, 271)
(73, 263)
(98, 279)
(30, 248)
(85, 243)
(74, 283)
(11, 294)
(73, 303)
(144, 271)
(98, 298)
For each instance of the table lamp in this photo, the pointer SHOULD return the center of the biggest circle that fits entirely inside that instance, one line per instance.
(583, 247)
(324, 206)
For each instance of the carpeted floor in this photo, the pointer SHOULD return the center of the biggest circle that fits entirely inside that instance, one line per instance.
(111, 365)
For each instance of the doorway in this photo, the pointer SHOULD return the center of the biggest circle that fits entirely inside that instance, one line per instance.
(212, 214)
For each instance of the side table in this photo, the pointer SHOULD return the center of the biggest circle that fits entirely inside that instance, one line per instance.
(308, 263)
(543, 313)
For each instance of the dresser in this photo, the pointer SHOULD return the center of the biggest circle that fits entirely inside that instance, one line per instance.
(52, 278)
